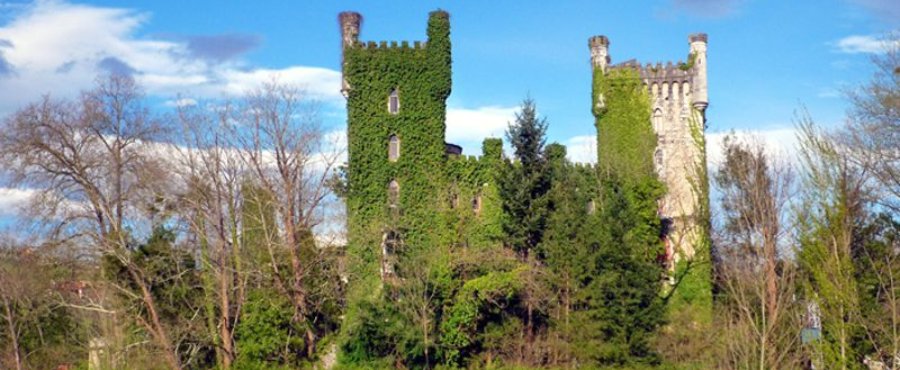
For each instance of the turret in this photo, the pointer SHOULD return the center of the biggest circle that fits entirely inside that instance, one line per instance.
(599, 51)
(700, 98)
(350, 22)
(438, 48)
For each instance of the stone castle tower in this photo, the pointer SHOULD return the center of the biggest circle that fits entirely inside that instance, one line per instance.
(678, 100)
(408, 188)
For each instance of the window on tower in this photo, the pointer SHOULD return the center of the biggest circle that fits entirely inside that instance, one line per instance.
(389, 245)
(659, 161)
(393, 193)
(394, 102)
(394, 148)
(476, 204)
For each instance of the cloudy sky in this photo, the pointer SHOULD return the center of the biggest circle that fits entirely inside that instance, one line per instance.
(767, 59)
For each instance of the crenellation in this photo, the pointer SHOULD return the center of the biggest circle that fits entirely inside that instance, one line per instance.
(390, 45)
(677, 93)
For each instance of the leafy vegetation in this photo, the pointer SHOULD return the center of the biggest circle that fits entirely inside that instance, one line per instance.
(217, 256)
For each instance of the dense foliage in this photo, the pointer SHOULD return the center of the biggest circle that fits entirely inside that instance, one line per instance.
(217, 256)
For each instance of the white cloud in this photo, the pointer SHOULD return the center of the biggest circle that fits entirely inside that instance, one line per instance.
(856, 44)
(183, 102)
(471, 126)
(11, 200)
(828, 93)
(582, 149)
(58, 47)
(780, 143)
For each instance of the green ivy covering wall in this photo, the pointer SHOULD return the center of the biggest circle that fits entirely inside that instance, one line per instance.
(434, 188)
(449, 212)
(623, 147)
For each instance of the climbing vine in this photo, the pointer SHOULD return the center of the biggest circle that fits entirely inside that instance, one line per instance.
(625, 137)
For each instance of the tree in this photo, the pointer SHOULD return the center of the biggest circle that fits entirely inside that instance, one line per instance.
(523, 189)
(89, 159)
(212, 174)
(524, 184)
(625, 294)
(283, 146)
(831, 214)
(756, 281)
(872, 133)
(36, 328)
(570, 249)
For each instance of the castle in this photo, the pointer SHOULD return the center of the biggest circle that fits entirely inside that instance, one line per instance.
(409, 188)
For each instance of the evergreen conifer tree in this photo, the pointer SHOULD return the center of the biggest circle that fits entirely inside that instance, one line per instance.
(525, 183)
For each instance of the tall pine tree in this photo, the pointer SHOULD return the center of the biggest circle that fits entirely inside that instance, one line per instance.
(524, 183)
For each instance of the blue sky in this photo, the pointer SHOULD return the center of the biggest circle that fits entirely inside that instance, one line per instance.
(766, 58)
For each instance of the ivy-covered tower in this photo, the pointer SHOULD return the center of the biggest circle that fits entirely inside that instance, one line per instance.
(673, 101)
(396, 103)
(651, 119)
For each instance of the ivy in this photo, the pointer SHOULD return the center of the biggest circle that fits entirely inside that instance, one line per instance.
(625, 137)
(692, 58)
(476, 299)
(436, 189)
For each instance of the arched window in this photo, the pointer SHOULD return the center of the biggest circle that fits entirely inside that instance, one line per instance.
(393, 193)
(394, 148)
(394, 102)
(656, 120)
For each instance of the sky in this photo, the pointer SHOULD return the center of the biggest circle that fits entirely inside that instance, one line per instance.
(766, 59)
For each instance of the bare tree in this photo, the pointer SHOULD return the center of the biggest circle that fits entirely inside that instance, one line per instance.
(211, 172)
(88, 160)
(872, 134)
(757, 296)
(283, 145)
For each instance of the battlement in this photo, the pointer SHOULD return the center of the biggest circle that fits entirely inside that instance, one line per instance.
(681, 78)
(436, 46)
(669, 73)
(351, 22)
(390, 45)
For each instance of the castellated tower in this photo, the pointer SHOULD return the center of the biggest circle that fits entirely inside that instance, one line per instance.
(396, 103)
(408, 190)
(678, 101)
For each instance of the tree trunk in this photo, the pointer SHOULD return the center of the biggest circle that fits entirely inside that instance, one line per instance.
(13, 333)
(310, 343)
(771, 276)
(157, 329)
(224, 319)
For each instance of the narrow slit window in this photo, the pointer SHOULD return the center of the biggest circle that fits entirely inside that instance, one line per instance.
(394, 102)
(394, 148)
(659, 162)
(393, 193)
(476, 204)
